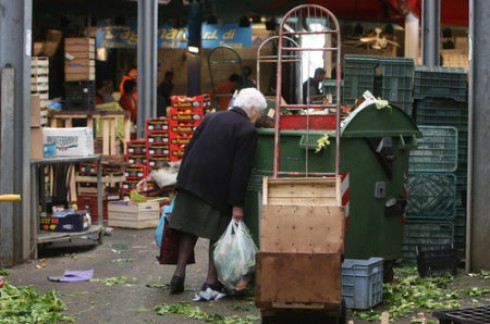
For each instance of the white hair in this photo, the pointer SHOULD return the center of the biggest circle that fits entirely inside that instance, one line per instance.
(250, 98)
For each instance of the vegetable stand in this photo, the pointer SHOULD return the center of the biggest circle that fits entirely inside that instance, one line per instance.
(301, 230)
(94, 232)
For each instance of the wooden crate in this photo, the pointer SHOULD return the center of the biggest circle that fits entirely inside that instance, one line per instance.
(302, 191)
(134, 215)
(302, 229)
(299, 281)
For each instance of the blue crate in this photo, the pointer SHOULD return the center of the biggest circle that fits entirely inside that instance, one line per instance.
(362, 282)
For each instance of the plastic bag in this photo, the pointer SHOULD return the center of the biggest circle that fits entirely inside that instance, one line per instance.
(161, 225)
(234, 256)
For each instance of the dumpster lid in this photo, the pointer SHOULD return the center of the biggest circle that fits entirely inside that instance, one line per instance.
(369, 121)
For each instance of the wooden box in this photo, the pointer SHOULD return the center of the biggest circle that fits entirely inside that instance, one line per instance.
(302, 191)
(134, 215)
(299, 280)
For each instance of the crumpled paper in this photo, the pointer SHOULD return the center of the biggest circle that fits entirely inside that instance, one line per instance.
(208, 295)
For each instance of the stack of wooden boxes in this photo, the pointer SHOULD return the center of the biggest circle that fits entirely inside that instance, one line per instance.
(40, 79)
(79, 74)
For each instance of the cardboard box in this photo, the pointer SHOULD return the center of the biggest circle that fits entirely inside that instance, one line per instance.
(36, 143)
(35, 110)
(70, 141)
(65, 222)
(134, 215)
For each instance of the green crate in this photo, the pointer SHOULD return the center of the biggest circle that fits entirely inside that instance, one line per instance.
(437, 151)
(428, 235)
(431, 196)
(441, 82)
(397, 66)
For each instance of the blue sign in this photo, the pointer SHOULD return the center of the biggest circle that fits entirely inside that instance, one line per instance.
(111, 36)
(229, 34)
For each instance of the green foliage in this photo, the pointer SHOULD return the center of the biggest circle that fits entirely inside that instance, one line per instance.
(196, 313)
(25, 305)
(4, 272)
(111, 281)
(322, 143)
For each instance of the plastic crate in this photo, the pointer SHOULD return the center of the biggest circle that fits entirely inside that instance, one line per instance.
(436, 261)
(426, 235)
(437, 151)
(474, 315)
(79, 95)
(362, 282)
(441, 111)
(431, 196)
(443, 82)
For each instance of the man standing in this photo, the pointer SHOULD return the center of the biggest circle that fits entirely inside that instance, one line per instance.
(311, 87)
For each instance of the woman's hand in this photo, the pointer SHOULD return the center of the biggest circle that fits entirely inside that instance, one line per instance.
(237, 213)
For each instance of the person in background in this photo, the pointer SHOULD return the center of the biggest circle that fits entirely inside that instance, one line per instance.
(131, 74)
(225, 91)
(249, 81)
(165, 91)
(103, 92)
(311, 87)
(128, 101)
(211, 188)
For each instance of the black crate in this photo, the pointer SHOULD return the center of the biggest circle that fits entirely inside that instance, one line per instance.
(80, 96)
(437, 261)
(474, 315)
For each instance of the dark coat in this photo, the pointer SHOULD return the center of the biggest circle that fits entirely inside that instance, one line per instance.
(217, 161)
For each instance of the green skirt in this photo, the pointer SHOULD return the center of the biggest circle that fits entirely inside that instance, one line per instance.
(194, 216)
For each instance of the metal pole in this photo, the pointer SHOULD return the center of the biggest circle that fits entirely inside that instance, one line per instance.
(147, 62)
(431, 18)
(16, 31)
(478, 221)
(7, 166)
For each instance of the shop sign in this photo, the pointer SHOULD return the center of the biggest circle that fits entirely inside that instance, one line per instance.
(226, 35)
(112, 36)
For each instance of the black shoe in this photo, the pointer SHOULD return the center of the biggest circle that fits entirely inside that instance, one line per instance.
(176, 285)
(216, 287)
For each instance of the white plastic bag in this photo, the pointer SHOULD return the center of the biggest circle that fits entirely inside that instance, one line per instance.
(234, 256)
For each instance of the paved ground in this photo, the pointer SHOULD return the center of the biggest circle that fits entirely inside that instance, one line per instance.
(94, 302)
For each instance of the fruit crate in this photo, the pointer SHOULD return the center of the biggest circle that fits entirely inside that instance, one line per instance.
(427, 235)
(362, 282)
(156, 124)
(431, 196)
(437, 150)
(440, 82)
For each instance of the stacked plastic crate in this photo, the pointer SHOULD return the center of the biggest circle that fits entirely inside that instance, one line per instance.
(157, 142)
(441, 100)
(390, 78)
(431, 191)
(185, 115)
(136, 168)
(79, 74)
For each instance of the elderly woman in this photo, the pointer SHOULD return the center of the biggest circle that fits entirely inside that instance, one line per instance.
(212, 180)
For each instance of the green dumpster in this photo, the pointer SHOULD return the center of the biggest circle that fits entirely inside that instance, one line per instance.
(374, 153)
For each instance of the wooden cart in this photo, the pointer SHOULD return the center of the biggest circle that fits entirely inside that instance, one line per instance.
(301, 229)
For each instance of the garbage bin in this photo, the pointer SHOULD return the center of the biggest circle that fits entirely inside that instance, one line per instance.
(374, 153)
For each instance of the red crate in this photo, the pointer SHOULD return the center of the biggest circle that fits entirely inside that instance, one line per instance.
(200, 101)
(157, 149)
(180, 140)
(88, 168)
(181, 115)
(136, 171)
(136, 159)
(157, 137)
(157, 124)
(158, 160)
(136, 147)
(90, 202)
(178, 152)
(183, 130)
(175, 158)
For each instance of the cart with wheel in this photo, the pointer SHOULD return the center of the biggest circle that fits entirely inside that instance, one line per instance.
(301, 231)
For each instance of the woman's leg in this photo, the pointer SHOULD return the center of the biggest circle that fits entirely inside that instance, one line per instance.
(187, 243)
(212, 278)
